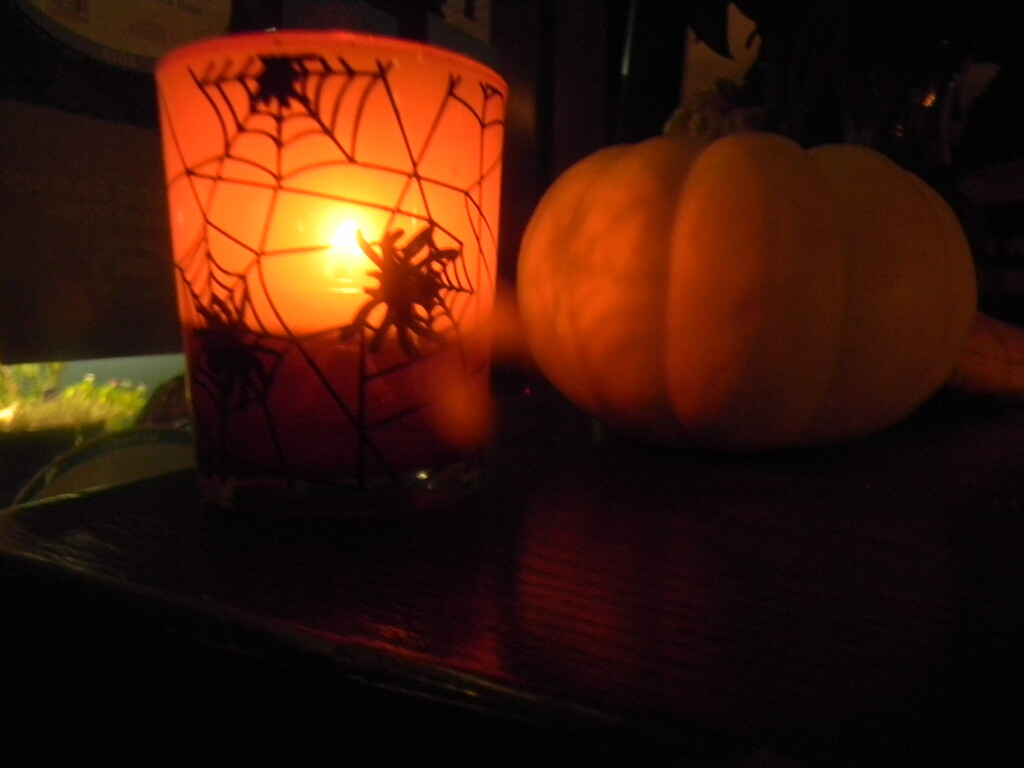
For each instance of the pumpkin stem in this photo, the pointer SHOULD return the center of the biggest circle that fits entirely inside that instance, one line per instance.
(992, 363)
(714, 111)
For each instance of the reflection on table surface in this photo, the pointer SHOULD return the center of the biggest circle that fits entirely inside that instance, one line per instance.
(862, 600)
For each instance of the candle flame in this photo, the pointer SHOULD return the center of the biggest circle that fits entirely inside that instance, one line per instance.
(345, 234)
(347, 265)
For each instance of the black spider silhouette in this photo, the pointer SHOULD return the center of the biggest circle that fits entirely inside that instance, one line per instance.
(235, 361)
(411, 280)
(277, 81)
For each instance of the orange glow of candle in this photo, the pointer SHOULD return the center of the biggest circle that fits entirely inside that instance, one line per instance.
(316, 287)
(334, 205)
(345, 262)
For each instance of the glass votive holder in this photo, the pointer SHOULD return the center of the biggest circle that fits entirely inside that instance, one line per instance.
(333, 200)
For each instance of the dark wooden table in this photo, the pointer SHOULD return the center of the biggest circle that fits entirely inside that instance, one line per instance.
(599, 603)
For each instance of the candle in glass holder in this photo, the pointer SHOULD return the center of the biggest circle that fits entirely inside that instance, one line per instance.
(334, 204)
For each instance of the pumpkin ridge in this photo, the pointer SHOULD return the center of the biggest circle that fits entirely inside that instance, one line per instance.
(755, 210)
(895, 332)
(606, 301)
(959, 271)
(566, 320)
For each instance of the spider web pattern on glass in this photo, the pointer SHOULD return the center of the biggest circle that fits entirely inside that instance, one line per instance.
(289, 102)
